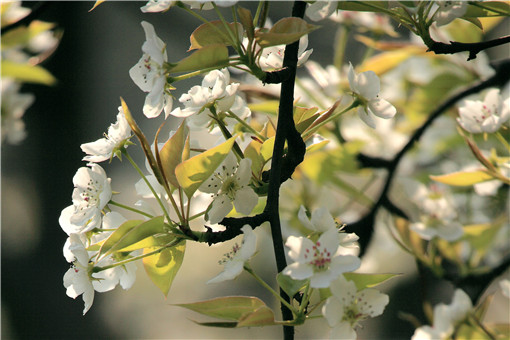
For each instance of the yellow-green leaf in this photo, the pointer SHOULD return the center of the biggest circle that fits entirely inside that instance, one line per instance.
(304, 117)
(268, 106)
(363, 281)
(98, 2)
(481, 236)
(206, 57)
(27, 73)
(488, 9)
(214, 32)
(228, 307)
(252, 152)
(194, 171)
(285, 31)
(171, 153)
(23, 34)
(162, 267)
(463, 178)
(387, 61)
(266, 150)
(263, 316)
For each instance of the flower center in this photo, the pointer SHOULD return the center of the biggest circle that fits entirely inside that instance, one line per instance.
(320, 258)
(91, 194)
(227, 257)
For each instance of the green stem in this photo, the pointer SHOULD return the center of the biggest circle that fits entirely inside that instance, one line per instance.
(120, 205)
(196, 215)
(306, 134)
(226, 134)
(246, 125)
(136, 258)
(233, 36)
(503, 141)
(268, 287)
(306, 298)
(156, 196)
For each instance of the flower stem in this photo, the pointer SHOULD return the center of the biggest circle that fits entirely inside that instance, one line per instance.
(308, 133)
(120, 205)
(265, 285)
(246, 125)
(156, 196)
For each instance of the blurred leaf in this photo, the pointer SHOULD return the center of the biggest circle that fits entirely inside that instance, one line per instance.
(212, 33)
(363, 281)
(23, 34)
(317, 146)
(26, 73)
(162, 267)
(194, 171)
(481, 236)
(171, 153)
(98, 2)
(132, 232)
(247, 21)
(363, 6)
(289, 285)
(268, 106)
(463, 178)
(384, 62)
(470, 332)
(229, 307)
(488, 9)
(284, 32)
(206, 57)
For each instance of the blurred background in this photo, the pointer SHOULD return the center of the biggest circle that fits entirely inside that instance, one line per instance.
(91, 65)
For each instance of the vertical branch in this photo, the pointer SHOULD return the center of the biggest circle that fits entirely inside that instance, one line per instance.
(285, 128)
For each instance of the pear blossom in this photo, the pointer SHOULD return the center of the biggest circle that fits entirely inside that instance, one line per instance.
(447, 11)
(91, 194)
(446, 318)
(320, 261)
(105, 148)
(348, 306)
(437, 216)
(154, 6)
(235, 259)
(476, 116)
(320, 10)
(272, 57)
(365, 87)
(215, 90)
(229, 186)
(149, 74)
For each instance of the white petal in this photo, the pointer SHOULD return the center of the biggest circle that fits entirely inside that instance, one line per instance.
(322, 220)
(220, 207)
(97, 151)
(155, 100)
(249, 245)
(140, 75)
(303, 218)
(128, 276)
(298, 246)
(343, 331)
(368, 84)
(322, 279)
(426, 333)
(153, 45)
(372, 302)
(232, 270)
(351, 76)
(245, 200)
(298, 271)
(333, 311)
(344, 263)
(344, 290)
(451, 231)
(243, 173)
(366, 117)
(381, 108)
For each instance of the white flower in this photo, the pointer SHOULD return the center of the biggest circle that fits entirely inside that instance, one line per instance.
(229, 184)
(105, 148)
(448, 11)
(476, 116)
(272, 57)
(234, 260)
(347, 307)
(321, 9)
(446, 317)
(320, 261)
(14, 105)
(91, 193)
(149, 74)
(366, 87)
(153, 6)
(437, 216)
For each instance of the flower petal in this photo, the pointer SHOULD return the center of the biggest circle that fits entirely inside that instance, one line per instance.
(220, 207)
(245, 200)
(366, 117)
(382, 108)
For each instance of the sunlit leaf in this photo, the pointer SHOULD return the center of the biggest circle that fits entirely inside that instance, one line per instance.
(229, 307)
(206, 57)
(363, 281)
(304, 117)
(252, 152)
(384, 62)
(194, 171)
(163, 266)
(212, 33)
(268, 106)
(171, 153)
(266, 150)
(463, 178)
(26, 73)
(131, 232)
(285, 31)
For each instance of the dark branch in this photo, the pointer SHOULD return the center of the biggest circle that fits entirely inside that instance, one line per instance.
(278, 77)
(364, 227)
(473, 48)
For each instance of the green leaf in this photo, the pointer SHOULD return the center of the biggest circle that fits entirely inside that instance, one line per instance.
(252, 152)
(212, 33)
(266, 150)
(27, 73)
(488, 9)
(23, 34)
(481, 236)
(289, 285)
(171, 153)
(304, 117)
(131, 232)
(263, 316)
(206, 57)
(194, 171)
(463, 178)
(247, 21)
(363, 281)
(363, 6)
(285, 31)
(267, 106)
(163, 266)
(470, 332)
(229, 307)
